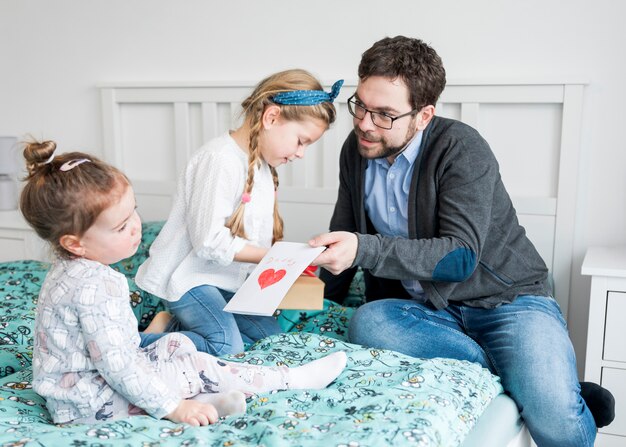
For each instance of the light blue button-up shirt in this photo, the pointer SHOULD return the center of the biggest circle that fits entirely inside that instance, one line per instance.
(387, 197)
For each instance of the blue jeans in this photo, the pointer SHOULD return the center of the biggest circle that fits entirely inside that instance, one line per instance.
(525, 343)
(199, 315)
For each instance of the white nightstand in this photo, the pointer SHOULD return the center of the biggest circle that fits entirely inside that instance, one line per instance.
(606, 335)
(18, 240)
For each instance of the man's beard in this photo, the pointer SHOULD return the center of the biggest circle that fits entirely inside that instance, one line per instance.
(385, 150)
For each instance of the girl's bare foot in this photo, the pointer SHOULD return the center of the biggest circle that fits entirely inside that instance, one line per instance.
(158, 323)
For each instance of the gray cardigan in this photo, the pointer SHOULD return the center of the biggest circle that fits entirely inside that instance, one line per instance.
(465, 242)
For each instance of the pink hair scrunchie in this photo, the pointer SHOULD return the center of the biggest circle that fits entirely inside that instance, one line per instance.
(245, 197)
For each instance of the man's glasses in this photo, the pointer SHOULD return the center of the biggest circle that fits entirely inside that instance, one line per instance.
(379, 119)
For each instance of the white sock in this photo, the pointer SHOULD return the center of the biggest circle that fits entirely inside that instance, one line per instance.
(226, 404)
(319, 373)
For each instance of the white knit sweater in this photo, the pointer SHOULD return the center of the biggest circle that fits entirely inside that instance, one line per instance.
(194, 247)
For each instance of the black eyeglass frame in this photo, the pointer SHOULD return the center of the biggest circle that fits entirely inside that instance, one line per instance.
(352, 103)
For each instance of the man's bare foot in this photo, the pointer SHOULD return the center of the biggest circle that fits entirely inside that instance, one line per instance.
(158, 323)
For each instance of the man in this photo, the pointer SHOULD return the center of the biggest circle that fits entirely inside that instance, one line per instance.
(449, 272)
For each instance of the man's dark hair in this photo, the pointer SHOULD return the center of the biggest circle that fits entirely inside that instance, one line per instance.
(411, 60)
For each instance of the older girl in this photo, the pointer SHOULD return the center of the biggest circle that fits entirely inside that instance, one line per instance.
(225, 215)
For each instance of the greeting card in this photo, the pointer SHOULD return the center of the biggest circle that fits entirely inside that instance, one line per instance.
(269, 282)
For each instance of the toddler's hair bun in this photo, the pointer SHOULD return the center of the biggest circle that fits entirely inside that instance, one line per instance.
(37, 154)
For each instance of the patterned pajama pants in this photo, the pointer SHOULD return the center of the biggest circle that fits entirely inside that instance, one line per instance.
(176, 360)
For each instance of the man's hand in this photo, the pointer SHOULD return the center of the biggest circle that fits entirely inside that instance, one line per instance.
(193, 413)
(340, 253)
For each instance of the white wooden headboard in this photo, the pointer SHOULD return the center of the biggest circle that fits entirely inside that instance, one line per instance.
(150, 130)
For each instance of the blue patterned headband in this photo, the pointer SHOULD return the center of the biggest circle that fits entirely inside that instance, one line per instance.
(307, 97)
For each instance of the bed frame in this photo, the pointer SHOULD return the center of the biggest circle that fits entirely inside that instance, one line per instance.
(150, 130)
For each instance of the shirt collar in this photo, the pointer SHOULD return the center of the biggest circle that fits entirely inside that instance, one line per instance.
(413, 148)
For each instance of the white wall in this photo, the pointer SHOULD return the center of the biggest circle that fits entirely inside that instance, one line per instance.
(53, 53)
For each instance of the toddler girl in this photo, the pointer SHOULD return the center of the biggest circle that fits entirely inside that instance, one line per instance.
(225, 216)
(87, 359)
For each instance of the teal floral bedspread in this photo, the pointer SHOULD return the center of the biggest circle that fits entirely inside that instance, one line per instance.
(382, 397)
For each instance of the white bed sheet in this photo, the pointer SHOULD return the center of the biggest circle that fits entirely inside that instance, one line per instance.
(500, 425)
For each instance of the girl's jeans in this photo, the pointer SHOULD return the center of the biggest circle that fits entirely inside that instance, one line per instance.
(200, 316)
(525, 343)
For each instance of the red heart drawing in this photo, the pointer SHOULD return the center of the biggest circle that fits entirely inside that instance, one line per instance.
(270, 276)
